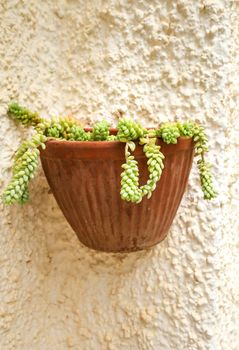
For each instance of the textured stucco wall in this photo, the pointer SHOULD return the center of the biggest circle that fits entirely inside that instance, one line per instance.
(157, 60)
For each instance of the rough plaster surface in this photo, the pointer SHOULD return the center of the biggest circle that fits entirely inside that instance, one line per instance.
(156, 60)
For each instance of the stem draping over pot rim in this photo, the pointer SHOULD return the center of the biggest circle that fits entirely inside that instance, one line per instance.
(127, 131)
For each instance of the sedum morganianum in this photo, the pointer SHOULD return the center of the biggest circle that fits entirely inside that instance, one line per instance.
(128, 131)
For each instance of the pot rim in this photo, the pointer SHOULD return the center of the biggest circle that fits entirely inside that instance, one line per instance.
(113, 131)
(64, 149)
(103, 143)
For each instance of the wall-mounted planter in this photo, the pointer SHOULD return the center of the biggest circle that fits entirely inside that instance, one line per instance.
(116, 196)
(85, 180)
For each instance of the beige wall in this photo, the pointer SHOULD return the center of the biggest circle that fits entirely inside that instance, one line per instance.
(157, 60)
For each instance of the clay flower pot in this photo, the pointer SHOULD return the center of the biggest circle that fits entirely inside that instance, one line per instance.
(85, 180)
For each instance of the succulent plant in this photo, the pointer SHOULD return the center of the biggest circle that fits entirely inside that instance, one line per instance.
(66, 128)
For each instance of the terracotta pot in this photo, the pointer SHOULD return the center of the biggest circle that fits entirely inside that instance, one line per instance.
(85, 180)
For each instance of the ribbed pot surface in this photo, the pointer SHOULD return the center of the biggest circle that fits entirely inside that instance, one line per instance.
(85, 180)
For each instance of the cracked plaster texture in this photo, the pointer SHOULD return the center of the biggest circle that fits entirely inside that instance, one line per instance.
(156, 60)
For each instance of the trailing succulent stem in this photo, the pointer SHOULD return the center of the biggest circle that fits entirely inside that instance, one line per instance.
(155, 166)
(204, 168)
(197, 132)
(206, 179)
(130, 190)
(24, 168)
(129, 132)
(23, 115)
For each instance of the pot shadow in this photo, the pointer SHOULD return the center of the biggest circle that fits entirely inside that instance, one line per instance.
(43, 234)
(76, 284)
(87, 289)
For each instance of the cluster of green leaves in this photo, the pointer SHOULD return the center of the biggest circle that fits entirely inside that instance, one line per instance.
(64, 128)
(128, 131)
(101, 131)
(169, 132)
